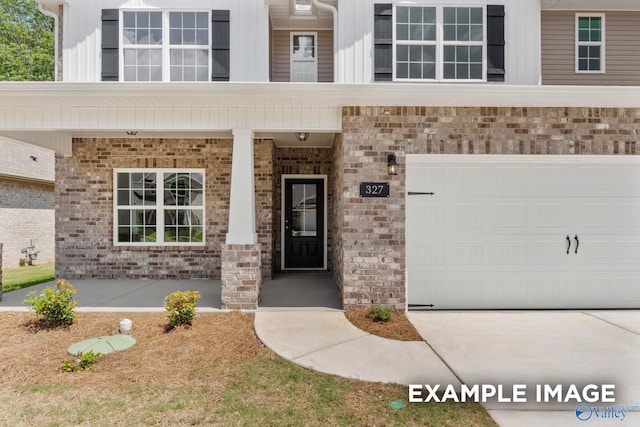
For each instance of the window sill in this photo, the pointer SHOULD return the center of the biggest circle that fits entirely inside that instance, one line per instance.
(439, 81)
(160, 248)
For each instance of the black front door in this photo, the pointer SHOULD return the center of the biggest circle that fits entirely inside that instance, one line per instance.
(303, 223)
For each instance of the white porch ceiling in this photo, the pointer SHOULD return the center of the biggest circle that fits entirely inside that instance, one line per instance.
(282, 16)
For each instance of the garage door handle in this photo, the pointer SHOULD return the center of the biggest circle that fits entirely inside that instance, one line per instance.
(568, 244)
(577, 243)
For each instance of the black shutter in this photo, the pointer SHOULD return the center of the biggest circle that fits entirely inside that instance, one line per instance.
(220, 42)
(110, 45)
(383, 42)
(495, 43)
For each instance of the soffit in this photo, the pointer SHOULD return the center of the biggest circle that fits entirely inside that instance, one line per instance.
(303, 96)
(282, 16)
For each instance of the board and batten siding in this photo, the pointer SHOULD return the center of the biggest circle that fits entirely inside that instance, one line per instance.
(249, 61)
(281, 55)
(622, 50)
(522, 29)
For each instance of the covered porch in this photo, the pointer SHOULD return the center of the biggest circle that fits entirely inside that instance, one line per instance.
(285, 290)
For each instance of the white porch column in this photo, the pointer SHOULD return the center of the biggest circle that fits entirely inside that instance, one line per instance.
(242, 207)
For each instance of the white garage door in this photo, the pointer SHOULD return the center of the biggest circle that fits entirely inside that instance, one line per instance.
(494, 233)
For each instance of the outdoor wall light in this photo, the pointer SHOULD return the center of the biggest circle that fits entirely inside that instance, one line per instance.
(302, 136)
(392, 164)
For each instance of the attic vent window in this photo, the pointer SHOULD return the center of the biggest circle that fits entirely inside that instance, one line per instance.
(302, 7)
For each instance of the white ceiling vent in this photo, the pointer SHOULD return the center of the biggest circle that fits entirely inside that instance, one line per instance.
(302, 7)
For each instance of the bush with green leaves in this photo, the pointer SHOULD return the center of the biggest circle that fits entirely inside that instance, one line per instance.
(55, 306)
(181, 306)
(83, 361)
(380, 314)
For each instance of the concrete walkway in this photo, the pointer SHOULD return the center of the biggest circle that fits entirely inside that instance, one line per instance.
(325, 341)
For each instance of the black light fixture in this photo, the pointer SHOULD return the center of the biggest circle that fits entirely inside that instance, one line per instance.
(392, 164)
(302, 136)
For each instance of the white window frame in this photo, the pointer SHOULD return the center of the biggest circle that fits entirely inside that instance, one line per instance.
(601, 43)
(440, 43)
(165, 46)
(159, 207)
(315, 50)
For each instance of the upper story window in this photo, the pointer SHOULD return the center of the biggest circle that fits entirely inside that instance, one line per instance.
(590, 43)
(440, 43)
(159, 207)
(166, 46)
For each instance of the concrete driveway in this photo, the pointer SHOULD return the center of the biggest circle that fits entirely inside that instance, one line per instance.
(542, 347)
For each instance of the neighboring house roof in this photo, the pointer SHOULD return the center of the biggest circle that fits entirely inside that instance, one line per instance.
(26, 161)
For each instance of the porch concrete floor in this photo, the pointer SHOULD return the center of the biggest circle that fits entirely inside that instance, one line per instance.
(124, 294)
(290, 290)
(285, 290)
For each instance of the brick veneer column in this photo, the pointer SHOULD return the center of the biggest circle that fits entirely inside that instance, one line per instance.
(0, 271)
(241, 277)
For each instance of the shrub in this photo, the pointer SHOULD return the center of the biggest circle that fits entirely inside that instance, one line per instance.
(54, 306)
(83, 362)
(380, 314)
(181, 306)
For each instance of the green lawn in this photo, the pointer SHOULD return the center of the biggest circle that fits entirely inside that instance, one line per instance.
(21, 277)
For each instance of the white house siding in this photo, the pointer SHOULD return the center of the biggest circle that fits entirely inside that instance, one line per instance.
(249, 35)
(522, 28)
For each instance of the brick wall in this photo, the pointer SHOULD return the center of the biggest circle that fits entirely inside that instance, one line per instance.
(302, 161)
(264, 182)
(241, 277)
(371, 240)
(84, 205)
(337, 213)
(26, 213)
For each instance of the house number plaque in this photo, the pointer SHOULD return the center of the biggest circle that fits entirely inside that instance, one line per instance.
(374, 189)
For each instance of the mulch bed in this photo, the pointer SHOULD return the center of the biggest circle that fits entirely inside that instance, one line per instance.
(398, 328)
(31, 352)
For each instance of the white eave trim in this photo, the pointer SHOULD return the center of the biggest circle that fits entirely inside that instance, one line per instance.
(308, 95)
(28, 179)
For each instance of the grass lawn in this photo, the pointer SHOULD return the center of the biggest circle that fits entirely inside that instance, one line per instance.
(21, 277)
(213, 373)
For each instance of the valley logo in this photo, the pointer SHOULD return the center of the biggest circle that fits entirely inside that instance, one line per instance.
(586, 412)
(583, 412)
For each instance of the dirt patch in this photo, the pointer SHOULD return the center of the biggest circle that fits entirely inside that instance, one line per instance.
(398, 328)
(33, 354)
